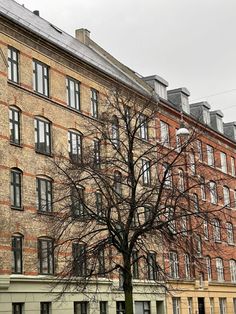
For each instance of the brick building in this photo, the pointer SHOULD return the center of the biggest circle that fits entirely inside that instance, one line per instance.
(50, 84)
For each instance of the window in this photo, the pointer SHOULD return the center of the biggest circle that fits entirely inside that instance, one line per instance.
(75, 146)
(222, 302)
(151, 261)
(16, 178)
(198, 245)
(190, 305)
(17, 308)
(73, 93)
(101, 261)
(234, 300)
(117, 182)
(146, 172)
(46, 256)
(174, 265)
(41, 78)
(210, 156)
(205, 230)
(212, 306)
(98, 198)
(184, 227)
(230, 233)
(219, 269)
(226, 195)
(192, 165)
(142, 307)
(213, 192)
(143, 125)
(219, 124)
(206, 116)
(178, 142)
(81, 307)
(232, 166)
(232, 266)
(42, 136)
(208, 268)
(135, 264)
(171, 221)
(203, 188)
(97, 153)
(17, 254)
(94, 103)
(147, 213)
(195, 203)
(78, 202)
(14, 119)
(187, 266)
(216, 230)
(199, 150)
(165, 136)
(120, 307)
(45, 307)
(103, 307)
(223, 160)
(167, 175)
(44, 193)
(115, 132)
(181, 180)
(13, 64)
(176, 305)
(234, 198)
(80, 259)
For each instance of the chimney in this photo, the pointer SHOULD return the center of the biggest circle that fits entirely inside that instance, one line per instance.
(36, 12)
(83, 35)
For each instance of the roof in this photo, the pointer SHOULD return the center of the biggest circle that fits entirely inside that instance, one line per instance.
(39, 26)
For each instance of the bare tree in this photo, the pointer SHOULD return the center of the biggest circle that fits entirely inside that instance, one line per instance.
(128, 196)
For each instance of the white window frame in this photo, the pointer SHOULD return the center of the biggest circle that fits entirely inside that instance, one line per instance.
(232, 266)
(223, 305)
(232, 160)
(210, 156)
(223, 162)
(226, 195)
(230, 232)
(174, 265)
(208, 268)
(220, 269)
(216, 230)
(176, 305)
(187, 266)
(164, 133)
(213, 192)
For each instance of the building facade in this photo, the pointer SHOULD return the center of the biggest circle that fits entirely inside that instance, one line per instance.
(51, 87)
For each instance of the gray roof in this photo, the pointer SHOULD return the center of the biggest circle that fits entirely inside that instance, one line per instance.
(24, 17)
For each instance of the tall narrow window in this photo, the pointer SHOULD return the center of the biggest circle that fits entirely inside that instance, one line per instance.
(46, 256)
(216, 230)
(181, 180)
(17, 308)
(80, 259)
(146, 172)
(232, 266)
(184, 226)
(14, 119)
(167, 175)
(45, 307)
(115, 130)
(208, 268)
(213, 192)
(219, 269)
(16, 178)
(98, 198)
(142, 307)
(143, 127)
(210, 156)
(42, 136)
(44, 192)
(135, 264)
(101, 261)
(230, 232)
(187, 266)
(103, 307)
(81, 307)
(203, 188)
(222, 302)
(94, 103)
(41, 78)
(151, 261)
(190, 305)
(226, 194)
(199, 150)
(17, 254)
(73, 93)
(97, 153)
(192, 165)
(118, 182)
(198, 245)
(174, 265)
(195, 203)
(78, 202)
(212, 306)
(165, 135)
(13, 64)
(75, 146)
(232, 160)
(171, 220)
(205, 230)
(176, 305)
(120, 307)
(223, 160)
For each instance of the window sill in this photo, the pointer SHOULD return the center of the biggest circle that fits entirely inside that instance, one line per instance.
(16, 145)
(43, 153)
(45, 213)
(17, 208)
(42, 95)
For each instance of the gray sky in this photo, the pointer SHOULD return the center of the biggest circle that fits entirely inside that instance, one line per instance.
(188, 42)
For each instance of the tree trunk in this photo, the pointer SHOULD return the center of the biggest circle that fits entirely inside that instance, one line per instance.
(128, 287)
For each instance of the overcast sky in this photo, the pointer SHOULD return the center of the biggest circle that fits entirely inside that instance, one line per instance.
(189, 43)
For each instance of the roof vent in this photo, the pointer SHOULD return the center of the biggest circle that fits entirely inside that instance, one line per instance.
(36, 12)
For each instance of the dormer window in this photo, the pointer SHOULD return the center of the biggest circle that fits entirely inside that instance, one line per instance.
(185, 104)
(219, 124)
(206, 117)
